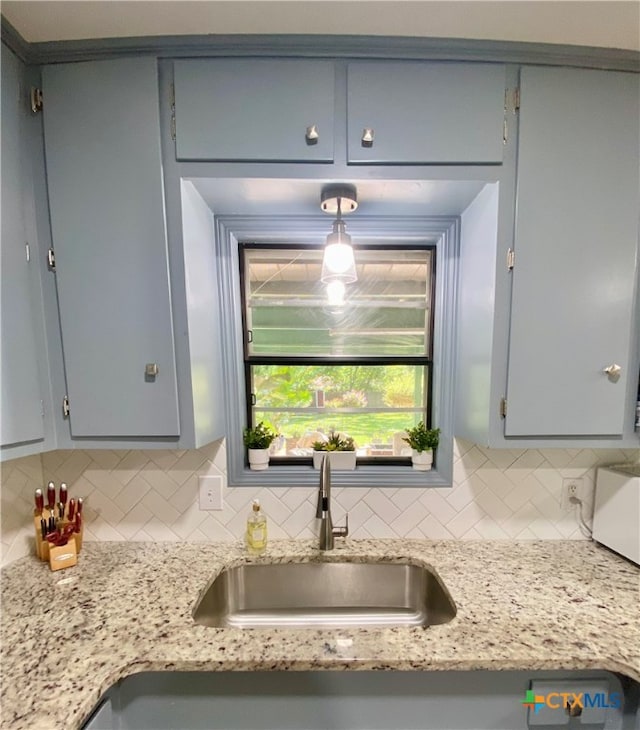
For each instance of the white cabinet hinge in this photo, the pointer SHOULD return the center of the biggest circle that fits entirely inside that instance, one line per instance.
(505, 132)
(173, 111)
(51, 259)
(35, 99)
(65, 407)
(516, 100)
(42, 408)
(27, 250)
(503, 407)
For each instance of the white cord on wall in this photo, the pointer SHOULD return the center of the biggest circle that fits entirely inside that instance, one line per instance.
(582, 523)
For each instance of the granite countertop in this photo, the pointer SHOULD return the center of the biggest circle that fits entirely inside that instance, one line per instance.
(126, 607)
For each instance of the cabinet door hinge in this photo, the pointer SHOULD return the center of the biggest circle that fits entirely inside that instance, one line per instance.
(65, 407)
(516, 100)
(42, 408)
(503, 407)
(172, 98)
(505, 132)
(35, 98)
(511, 259)
(51, 259)
(27, 250)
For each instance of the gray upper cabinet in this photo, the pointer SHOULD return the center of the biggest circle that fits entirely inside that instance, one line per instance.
(22, 419)
(254, 110)
(102, 143)
(574, 312)
(425, 113)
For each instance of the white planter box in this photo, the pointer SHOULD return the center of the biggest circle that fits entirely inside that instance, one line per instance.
(339, 460)
(422, 460)
(258, 459)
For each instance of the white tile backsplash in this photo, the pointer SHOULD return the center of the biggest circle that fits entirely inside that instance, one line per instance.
(19, 478)
(153, 495)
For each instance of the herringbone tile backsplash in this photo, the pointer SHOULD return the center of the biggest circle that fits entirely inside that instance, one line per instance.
(153, 495)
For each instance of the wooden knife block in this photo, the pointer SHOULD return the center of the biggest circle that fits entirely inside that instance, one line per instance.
(63, 556)
(51, 553)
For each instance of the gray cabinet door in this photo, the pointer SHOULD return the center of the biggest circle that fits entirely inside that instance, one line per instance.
(21, 395)
(422, 113)
(102, 145)
(576, 247)
(241, 109)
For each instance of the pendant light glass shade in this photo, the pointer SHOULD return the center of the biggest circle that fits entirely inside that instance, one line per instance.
(338, 262)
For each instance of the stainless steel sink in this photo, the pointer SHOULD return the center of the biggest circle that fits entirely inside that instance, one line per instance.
(328, 594)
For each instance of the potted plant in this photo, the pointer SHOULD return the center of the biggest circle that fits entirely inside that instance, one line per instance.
(423, 441)
(258, 440)
(341, 450)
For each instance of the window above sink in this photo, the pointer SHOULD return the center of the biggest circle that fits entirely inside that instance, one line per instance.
(362, 366)
(435, 237)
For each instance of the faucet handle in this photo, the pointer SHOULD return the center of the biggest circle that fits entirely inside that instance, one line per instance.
(342, 531)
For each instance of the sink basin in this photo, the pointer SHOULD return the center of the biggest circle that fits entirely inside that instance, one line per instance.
(328, 594)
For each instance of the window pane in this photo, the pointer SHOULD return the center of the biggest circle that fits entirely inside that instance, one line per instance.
(373, 404)
(386, 312)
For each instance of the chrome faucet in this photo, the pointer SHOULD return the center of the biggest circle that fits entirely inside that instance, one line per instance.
(323, 511)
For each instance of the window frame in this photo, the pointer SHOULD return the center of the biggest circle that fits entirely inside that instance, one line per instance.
(422, 360)
(443, 232)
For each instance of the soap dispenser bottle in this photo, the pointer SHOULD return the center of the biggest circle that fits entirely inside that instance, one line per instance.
(256, 535)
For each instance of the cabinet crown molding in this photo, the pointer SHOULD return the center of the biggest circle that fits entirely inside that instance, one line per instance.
(309, 46)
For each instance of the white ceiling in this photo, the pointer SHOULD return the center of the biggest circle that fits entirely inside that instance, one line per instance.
(592, 23)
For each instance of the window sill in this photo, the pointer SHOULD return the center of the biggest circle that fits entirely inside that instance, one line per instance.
(365, 475)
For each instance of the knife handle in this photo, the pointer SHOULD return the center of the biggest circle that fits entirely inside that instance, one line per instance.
(80, 503)
(72, 509)
(63, 493)
(78, 522)
(51, 496)
(39, 499)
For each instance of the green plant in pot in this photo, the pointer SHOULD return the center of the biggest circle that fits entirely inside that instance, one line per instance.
(257, 441)
(423, 441)
(341, 451)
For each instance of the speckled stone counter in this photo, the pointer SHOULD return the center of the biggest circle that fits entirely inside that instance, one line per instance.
(126, 608)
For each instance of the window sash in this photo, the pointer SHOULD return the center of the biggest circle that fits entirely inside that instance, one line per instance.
(424, 360)
(343, 414)
(372, 314)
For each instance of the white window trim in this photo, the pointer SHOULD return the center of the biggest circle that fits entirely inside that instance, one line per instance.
(441, 231)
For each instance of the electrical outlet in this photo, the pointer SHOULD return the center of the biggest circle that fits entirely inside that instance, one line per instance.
(210, 492)
(570, 488)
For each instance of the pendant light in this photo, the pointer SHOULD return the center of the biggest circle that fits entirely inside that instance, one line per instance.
(338, 262)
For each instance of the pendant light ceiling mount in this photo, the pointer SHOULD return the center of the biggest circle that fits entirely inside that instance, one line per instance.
(342, 195)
